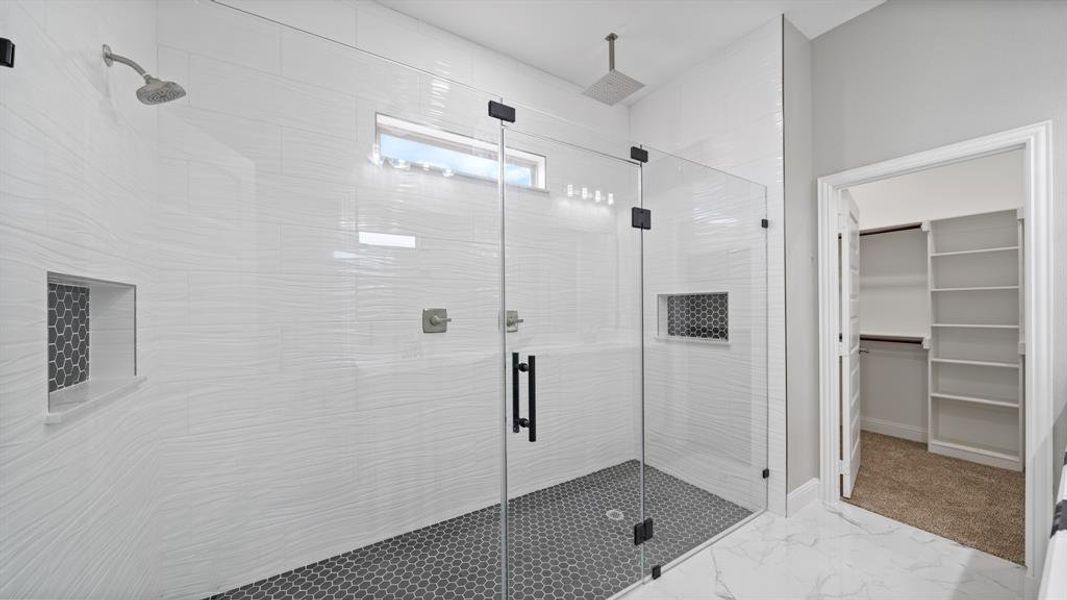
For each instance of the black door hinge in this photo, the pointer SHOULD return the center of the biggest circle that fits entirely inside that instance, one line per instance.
(1059, 516)
(764, 223)
(7, 53)
(657, 570)
(766, 473)
(642, 218)
(501, 111)
(639, 154)
(643, 532)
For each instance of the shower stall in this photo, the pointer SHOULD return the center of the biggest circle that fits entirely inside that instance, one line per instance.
(390, 339)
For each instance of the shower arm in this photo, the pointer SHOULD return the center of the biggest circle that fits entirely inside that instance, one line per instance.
(110, 57)
(611, 50)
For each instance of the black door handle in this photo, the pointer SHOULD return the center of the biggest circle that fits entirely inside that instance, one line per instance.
(531, 408)
(515, 392)
(526, 367)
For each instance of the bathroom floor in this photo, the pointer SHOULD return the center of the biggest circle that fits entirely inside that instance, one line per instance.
(570, 541)
(830, 553)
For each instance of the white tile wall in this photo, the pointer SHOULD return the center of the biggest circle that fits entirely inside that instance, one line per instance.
(75, 498)
(727, 113)
(293, 408)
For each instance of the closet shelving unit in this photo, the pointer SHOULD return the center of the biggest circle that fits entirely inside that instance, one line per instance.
(976, 349)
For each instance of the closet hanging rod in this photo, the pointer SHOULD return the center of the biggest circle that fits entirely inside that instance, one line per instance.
(903, 339)
(891, 229)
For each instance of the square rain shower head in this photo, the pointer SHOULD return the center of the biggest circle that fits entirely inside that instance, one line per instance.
(613, 87)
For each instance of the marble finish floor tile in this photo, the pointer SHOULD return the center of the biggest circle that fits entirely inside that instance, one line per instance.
(839, 552)
(569, 541)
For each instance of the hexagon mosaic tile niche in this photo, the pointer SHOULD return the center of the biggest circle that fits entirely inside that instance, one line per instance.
(68, 335)
(703, 316)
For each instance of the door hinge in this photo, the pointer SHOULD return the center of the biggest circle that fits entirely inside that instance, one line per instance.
(638, 154)
(1059, 517)
(7, 53)
(642, 218)
(842, 468)
(766, 473)
(501, 111)
(657, 570)
(764, 223)
(643, 531)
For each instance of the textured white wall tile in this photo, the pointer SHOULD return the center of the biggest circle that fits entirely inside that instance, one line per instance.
(332, 19)
(387, 33)
(212, 30)
(727, 113)
(293, 408)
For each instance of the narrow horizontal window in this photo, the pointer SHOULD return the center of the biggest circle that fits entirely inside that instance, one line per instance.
(409, 146)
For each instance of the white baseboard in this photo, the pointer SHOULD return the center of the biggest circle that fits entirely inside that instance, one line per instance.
(897, 430)
(807, 493)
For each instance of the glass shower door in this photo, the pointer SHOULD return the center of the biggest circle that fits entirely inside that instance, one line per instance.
(572, 267)
(705, 343)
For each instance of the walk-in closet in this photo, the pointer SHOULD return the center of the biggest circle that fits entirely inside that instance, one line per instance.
(940, 417)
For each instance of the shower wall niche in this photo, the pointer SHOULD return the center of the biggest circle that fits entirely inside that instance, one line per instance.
(92, 343)
(701, 316)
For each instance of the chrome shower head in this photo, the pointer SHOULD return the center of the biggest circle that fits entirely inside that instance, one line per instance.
(615, 85)
(154, 91)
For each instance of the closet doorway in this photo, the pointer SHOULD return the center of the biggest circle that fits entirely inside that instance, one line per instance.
(933, 342)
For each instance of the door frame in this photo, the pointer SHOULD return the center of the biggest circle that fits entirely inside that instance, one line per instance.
(1035, 142)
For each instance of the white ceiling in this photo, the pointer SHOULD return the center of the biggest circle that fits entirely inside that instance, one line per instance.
(658, 39)
(986, 184)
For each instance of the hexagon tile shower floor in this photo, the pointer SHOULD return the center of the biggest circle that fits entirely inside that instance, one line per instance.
(563, 546)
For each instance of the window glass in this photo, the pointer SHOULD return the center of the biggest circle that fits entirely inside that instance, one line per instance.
(409, 146)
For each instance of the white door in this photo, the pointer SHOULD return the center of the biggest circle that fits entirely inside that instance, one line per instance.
(850, 342)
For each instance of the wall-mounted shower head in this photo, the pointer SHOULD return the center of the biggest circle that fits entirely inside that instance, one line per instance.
(154, 91)
(613, 87)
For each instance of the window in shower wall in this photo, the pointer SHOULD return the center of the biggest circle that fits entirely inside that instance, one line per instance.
(410, 146)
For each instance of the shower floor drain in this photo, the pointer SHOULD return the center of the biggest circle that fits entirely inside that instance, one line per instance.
(614, 514)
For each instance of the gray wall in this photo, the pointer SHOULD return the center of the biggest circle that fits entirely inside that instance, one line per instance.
(910, 76)
(801, 264)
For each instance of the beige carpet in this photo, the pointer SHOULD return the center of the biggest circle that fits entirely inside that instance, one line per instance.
(975, 505)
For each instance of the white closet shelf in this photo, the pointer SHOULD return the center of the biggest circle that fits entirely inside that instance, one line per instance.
(977, 363)
(990, 452)
(977, 251)
(974, 303)
(976, 400)
(988, 288)
(974, 326)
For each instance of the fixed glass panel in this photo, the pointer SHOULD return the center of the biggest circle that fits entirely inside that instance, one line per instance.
(705, 341)
(355, 397)
(573, 362)
(296, 430)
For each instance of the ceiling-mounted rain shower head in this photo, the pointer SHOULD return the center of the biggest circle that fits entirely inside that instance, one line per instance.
(154, 91)
(613, 87)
